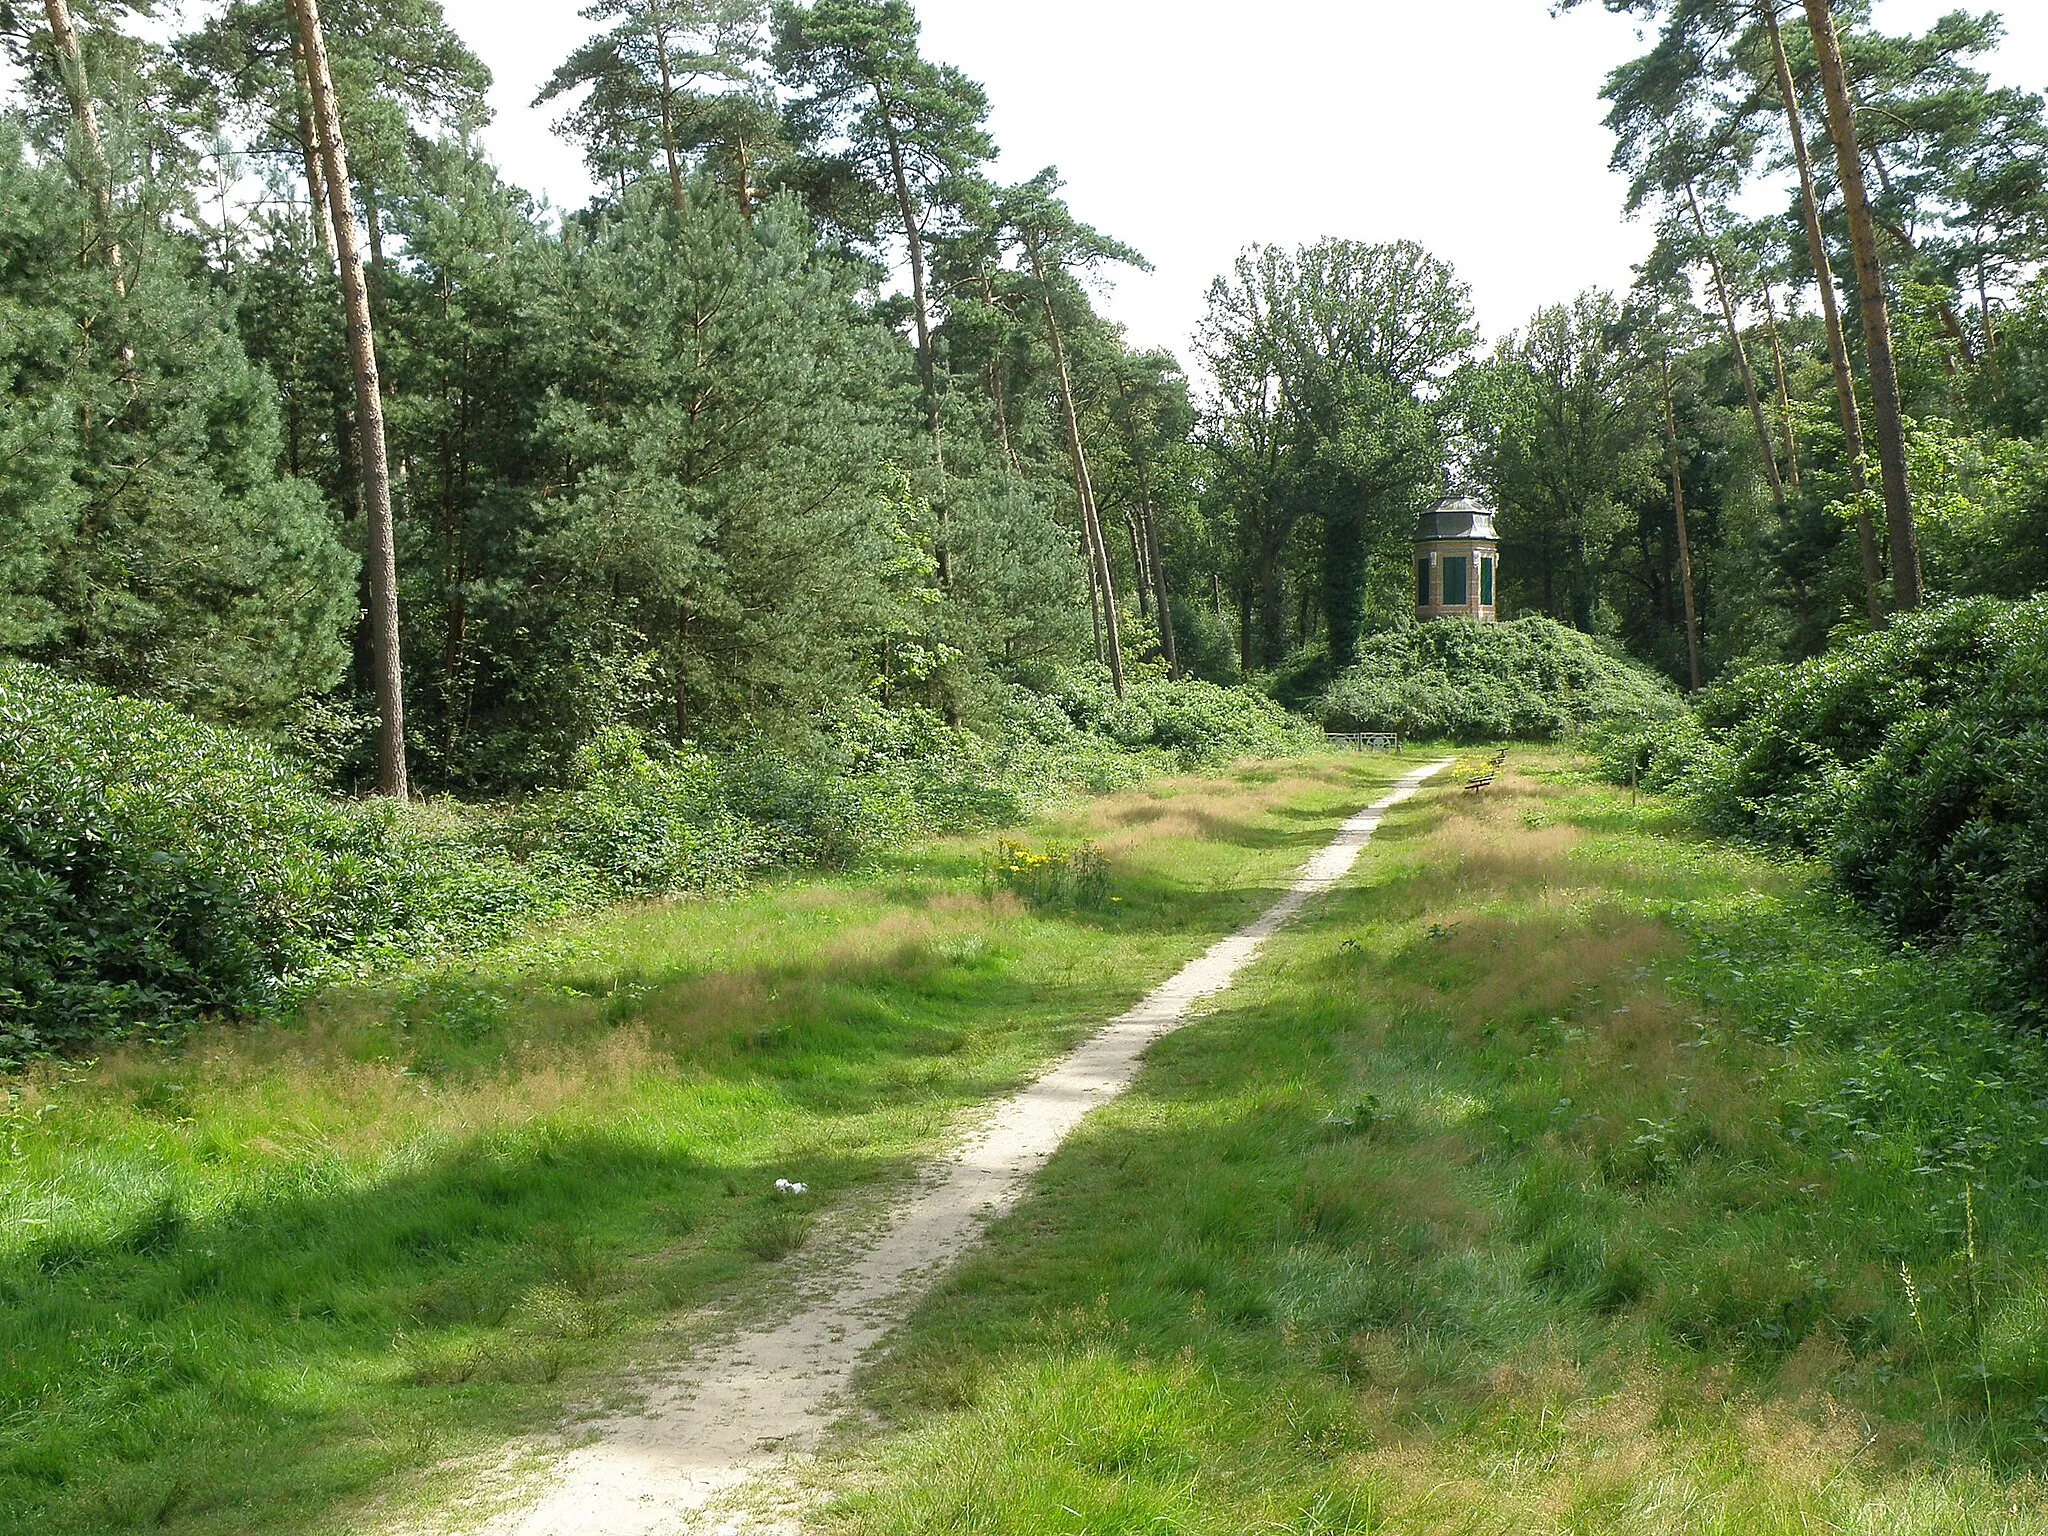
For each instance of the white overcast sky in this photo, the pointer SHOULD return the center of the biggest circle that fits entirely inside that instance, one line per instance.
(1191, 128)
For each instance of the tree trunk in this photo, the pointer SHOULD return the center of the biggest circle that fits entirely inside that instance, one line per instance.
(1784, 391)
(373, 225)
(382, 557)
(1756, 405)
(1167, 647)
(1084, 488)
(927, 370)
(309, 150)
(1831, 315)
(1094, 593)
(1877, 325)
(1951, 322)
(995, 386)
(682, 682)
(1692, 625)
(98, 174)
(1152, 564)
(1144, 575)
(658, 25)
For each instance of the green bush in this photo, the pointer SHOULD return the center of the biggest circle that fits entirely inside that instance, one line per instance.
(632, 826)
(155, 871)
(1915, 761)
(1196, 722)
(1530, 680)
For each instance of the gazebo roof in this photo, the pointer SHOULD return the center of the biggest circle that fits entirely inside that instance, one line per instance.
(1456, 517)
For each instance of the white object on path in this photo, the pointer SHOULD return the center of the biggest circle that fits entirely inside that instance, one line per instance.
(745, 1406)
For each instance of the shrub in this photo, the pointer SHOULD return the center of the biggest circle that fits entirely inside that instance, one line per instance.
(1202, 723)
(155, 871)
(144, 861)
(1915, 761)
(631, 826)
(1530, 680)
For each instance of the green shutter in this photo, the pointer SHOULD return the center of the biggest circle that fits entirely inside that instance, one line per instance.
(1457, 573)
(1486, 581)
(1422, 583)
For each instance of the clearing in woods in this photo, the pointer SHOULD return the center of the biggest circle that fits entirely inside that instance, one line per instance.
(312, 1277)
(1561, 1171)
(731, 1417)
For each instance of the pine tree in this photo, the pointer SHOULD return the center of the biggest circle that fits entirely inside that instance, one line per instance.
(376, 469)
(911, 126)
(1877, 330)
(646, 79)
(147, 540)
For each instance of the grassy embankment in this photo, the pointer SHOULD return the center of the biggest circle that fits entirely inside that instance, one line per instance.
(248, 1284)
(1564, 1173)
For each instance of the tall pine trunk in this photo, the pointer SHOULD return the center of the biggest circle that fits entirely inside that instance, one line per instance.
(659, 26)
(927, 365)
(309, 150)
(995, 385)
(1756, 404)
(1692, 623)
(1831, 315)
(1167, 647)
(1084, 486)
(376, 466)
(1153, 565)
(97, 174)
(1877, 323)
(1784, 391)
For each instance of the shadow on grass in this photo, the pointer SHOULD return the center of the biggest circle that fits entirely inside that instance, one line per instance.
(250, 1368)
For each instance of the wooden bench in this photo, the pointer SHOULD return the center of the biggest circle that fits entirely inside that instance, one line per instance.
(1484, 779)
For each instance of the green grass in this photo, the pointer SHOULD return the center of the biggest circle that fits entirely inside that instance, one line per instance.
(255, 1283)
(1563, 1173)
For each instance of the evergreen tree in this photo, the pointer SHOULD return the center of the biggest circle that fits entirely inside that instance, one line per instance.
(911, 128)
(149, 541)
(718, 440)
(668, 81)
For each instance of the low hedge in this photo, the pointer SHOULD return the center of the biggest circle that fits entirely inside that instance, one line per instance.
(1529, 680)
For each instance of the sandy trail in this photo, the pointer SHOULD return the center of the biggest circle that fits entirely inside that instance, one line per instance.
(744, 1407)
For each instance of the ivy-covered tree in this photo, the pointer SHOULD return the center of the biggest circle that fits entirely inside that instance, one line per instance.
(1332, 363)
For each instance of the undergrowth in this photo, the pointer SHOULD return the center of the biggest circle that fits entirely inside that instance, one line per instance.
(155, 872)
(1914, 761)
(1529, 680)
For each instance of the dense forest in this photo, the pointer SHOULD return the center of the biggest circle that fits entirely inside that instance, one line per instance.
(806, 443)
(812, 407)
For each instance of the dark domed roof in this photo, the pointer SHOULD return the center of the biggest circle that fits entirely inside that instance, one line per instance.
(1456, 517)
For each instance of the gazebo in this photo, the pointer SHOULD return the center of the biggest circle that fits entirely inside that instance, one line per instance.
(1457, 562)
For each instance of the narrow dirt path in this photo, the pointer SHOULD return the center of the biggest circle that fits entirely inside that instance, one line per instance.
(742, 1408)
